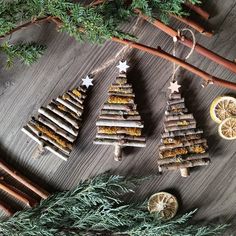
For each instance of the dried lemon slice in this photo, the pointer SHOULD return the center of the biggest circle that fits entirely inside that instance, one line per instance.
(222, 108)
(227, 129)
(163, 203)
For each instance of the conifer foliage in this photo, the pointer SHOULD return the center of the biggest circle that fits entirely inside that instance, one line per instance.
(95, 23)
(95, 208)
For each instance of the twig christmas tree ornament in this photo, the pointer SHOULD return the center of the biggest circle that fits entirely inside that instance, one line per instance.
(57, 125)
(119, 123)
(182, 145)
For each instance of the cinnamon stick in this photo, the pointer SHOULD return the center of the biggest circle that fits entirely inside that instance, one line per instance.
(198, 48)
(7, 209)
(230, 65)
(23, 180)
(14, 192)
(162, 54)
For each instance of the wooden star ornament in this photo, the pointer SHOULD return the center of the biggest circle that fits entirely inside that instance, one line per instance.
(122, 66)
(87, 81)
(174, 86)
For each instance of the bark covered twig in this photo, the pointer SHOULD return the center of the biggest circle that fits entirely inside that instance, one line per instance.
(162, 54)
(230, 65)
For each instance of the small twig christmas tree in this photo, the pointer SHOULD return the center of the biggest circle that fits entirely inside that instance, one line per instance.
(57, 125)
(119, 123)
(182, 145)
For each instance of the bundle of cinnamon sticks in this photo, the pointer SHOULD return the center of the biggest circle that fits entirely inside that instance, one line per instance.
(17, 193)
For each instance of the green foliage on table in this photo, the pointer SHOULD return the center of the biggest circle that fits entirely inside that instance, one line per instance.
(95, 207)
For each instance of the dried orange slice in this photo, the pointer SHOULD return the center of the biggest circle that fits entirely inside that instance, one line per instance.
(222, 108)
(163, 203)
(227, 129)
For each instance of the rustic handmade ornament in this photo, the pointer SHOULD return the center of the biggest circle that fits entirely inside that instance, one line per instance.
(182, 145)
(57, 125)
(163, 203)
(119, 124)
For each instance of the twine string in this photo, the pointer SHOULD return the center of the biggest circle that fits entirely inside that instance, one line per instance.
(175, 40)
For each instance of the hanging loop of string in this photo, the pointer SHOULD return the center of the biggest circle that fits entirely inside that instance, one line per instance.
(175, 40)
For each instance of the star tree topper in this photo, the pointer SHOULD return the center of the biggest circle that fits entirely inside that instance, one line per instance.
(174, 86)
(87, 82)
(122, 66)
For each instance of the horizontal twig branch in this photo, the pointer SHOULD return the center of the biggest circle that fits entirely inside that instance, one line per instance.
(189, 43)
(194, 25)
(162, 54)
(204, 14)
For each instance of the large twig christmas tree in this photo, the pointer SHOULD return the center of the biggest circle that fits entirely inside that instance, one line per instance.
(119, 123)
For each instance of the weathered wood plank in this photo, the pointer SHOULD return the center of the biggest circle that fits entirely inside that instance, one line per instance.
(23, 90)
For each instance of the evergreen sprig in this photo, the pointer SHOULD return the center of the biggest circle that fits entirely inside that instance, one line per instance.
(27, 53)
(95, 208)
(93, 23)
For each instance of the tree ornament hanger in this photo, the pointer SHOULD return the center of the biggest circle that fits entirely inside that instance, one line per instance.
(174, 86)
(182, 145)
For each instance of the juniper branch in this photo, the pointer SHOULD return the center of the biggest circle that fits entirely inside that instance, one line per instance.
(95, 208)
(27, 53)
(99, 22)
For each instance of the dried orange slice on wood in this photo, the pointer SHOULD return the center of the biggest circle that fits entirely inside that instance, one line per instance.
(163, 203)
(227, 129)
(222, 108)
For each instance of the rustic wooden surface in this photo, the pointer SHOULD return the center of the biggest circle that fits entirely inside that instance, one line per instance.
(23, 90)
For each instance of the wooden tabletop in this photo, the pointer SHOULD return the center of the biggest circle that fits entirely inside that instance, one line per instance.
(23, 90)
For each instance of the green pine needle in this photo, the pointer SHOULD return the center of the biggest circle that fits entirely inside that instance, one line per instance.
(84, 23)
(95, 24)
(27, 53)
(95, 208)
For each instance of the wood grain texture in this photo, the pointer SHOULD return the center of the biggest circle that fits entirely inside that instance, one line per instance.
(23, 90)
